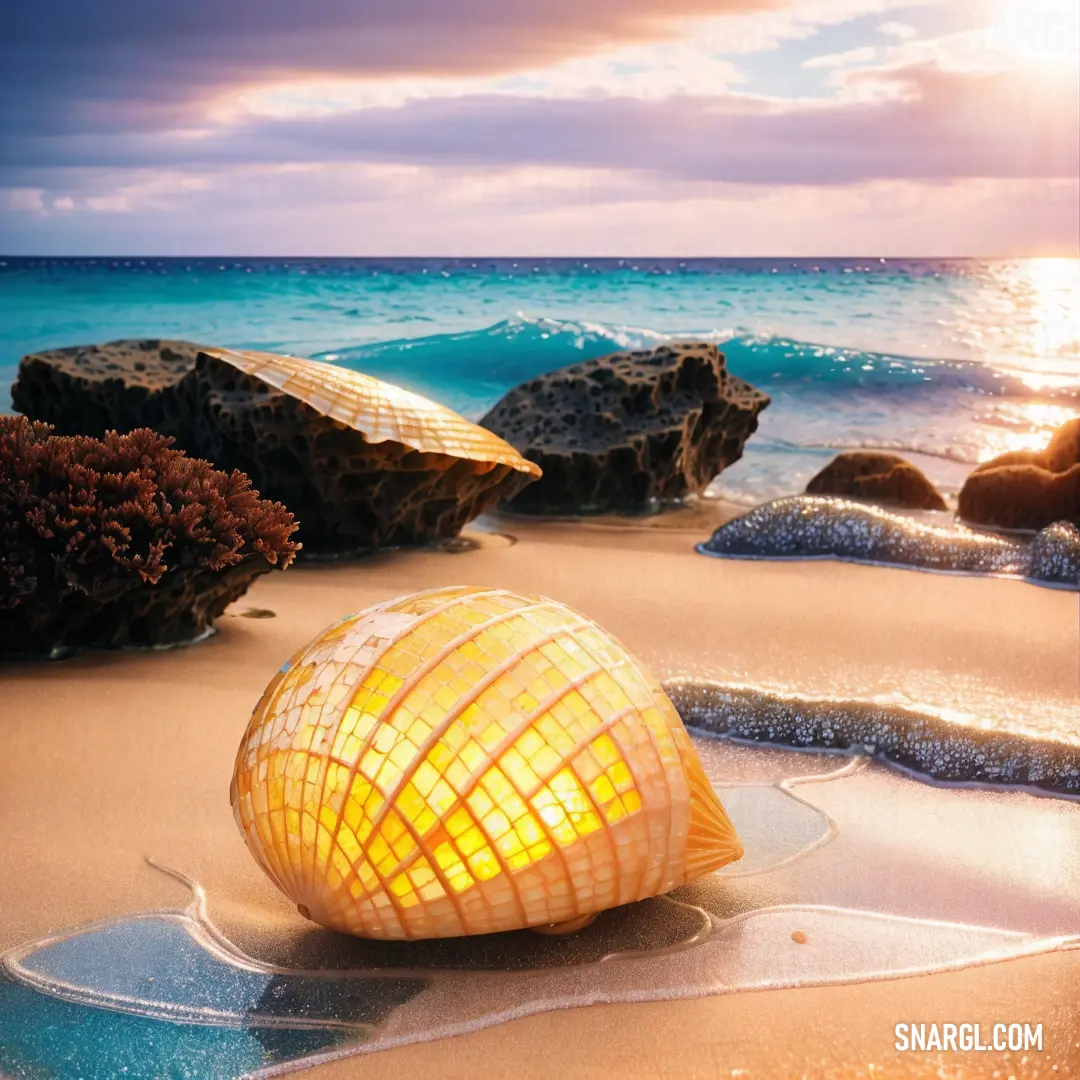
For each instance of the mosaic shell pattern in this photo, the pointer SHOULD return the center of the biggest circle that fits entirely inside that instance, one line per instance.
(381, 411)
(469, 760)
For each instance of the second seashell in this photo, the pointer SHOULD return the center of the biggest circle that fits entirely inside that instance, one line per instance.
(470, 760)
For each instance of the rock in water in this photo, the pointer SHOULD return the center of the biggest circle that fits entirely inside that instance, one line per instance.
(629, 431)
(877, 477)
(1027, 489)
(121, 385)
(390, 469)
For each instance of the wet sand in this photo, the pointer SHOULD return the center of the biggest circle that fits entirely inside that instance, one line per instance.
(106, 759)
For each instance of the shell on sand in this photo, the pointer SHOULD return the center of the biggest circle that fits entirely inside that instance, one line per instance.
(381, 411)
(469, 760)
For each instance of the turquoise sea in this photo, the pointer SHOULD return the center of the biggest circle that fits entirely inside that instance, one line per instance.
(950, 360)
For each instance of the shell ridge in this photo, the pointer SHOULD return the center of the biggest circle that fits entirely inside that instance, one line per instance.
(713, 842)
(640, 890)
(605, 825)
(504, 744)
(342, 630)
(266, 858)
(495, 756)
(424, 617)
(546, 777)
(452, 715)
(374, 646)
(357, 620)
(281, 845)
(601, 667)
(662, 857)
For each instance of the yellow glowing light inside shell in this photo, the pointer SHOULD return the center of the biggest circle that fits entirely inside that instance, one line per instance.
(470, 760)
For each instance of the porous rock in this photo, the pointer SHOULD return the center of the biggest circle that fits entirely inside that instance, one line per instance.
(878, 477)
(120, 385)
(1027, 489)
(628, 432)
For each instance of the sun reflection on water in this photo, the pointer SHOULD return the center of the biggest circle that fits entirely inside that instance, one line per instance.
(1022, 425)
(1023, 317)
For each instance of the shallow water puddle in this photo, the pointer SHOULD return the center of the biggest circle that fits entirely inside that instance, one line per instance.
(827, 839)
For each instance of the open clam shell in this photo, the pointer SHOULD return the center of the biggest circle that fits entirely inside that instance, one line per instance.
(379, 410)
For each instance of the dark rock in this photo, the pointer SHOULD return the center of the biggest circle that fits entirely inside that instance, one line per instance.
(121, 385)
(348, 494)
(122, 540)
(1021, 497)
(877, 477)
(630, 431)
(1027, 489)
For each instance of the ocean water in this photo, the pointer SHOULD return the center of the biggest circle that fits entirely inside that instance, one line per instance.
(949, 361)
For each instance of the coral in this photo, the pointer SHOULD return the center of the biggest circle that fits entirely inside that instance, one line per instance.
(877, 477)
(629, 431)
(122, 540)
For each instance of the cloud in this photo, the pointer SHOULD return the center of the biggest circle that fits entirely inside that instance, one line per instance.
(917, 122)
(380, 210)
(117, 44)
(897, 30)
(862, 55)
(25, 200)
(69, 67)
(191, 121)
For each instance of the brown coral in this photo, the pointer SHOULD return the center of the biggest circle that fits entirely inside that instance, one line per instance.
(122, 540)
(878, 477)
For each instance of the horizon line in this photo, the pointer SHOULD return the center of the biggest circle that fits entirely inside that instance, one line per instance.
(552, 258)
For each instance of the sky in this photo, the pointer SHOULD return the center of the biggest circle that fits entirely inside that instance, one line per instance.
(540, 127)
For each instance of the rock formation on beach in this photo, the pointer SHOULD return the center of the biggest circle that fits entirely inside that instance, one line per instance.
(350, 493)
(629, 431)
(123, 540)
(1027, 489)
(877, 477)
(121, 385)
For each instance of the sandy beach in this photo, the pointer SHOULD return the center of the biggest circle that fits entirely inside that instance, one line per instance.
(107, 759)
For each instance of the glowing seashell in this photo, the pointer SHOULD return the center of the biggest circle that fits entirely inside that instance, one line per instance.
(469, 760)
(381, 411)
